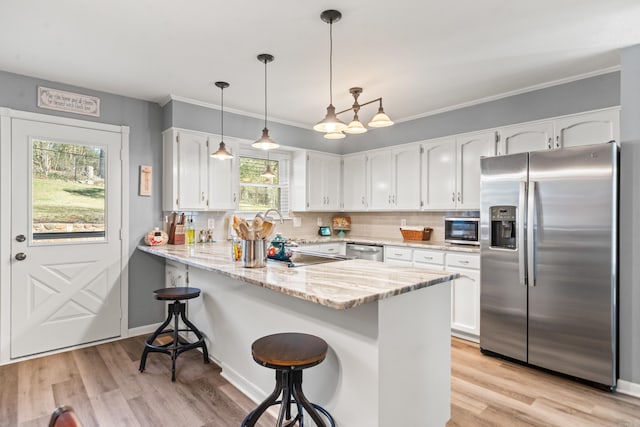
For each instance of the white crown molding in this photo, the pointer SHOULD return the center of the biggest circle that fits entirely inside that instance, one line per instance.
(230, 110)
(512, 93)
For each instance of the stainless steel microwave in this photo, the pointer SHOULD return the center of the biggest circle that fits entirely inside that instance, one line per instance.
(462, 230)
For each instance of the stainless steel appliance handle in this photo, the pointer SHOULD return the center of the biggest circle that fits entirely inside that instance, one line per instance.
(359, 249)
(522, 200)
(531, 211)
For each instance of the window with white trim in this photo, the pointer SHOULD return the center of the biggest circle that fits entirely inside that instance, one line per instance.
(257, 193)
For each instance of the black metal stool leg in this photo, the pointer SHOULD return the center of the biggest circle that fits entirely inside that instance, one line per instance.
(177, 308)
(299, 396)
(253, 416)
(151, 339)
(195, 330)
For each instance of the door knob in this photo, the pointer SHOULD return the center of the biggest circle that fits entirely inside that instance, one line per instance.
(20, 238)
(21, 256)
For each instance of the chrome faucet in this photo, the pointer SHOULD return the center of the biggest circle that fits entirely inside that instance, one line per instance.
(268, 211)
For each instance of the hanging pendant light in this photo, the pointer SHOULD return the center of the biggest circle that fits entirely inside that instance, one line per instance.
(222, 153)
(355, 126)
(380, 120)
(268, 173)
(265, 142)
(331, 123)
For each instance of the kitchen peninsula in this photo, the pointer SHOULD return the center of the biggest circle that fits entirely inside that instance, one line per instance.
(388, 329)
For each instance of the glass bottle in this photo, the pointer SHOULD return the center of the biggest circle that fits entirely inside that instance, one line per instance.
(191, 233)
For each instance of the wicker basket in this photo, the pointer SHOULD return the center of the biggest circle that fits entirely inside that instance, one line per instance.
(424, 234)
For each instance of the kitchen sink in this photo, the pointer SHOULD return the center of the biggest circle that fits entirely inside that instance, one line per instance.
(301, 258)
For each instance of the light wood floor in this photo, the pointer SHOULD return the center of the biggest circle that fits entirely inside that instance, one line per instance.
(104, 386)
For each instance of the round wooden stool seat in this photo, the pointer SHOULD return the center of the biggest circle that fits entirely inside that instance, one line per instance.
(289, 351)
(176, 294)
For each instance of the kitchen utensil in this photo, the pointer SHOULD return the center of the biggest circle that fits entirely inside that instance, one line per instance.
(254, 253)
(245, 231)
(267, 229)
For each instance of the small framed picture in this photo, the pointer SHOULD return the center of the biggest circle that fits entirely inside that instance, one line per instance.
(145, 180)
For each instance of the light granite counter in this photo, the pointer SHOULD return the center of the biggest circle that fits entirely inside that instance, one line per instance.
(387, 326)
(423, 244)
(339, 285)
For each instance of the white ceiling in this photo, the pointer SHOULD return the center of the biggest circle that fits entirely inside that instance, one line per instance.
(419, 55)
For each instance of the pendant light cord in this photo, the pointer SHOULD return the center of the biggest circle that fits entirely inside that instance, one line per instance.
(331, 62)
(265, 93)
(222, 115)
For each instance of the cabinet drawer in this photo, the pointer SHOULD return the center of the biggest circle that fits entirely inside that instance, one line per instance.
(395, 252)
(429, 257)
(332, 248)
(463, 260)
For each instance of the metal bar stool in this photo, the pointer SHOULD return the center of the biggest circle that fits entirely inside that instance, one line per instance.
(289, 354)
(177, 345)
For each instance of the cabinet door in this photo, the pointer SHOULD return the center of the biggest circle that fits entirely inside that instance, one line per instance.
(192, 171)
(380, 179)
(406, 178)
(354, 182)
(469, 149)
(223, 178)
(589, 128)
(438, 174)
(465, 302)
(331, 182)
(523, 138)
(315, 192)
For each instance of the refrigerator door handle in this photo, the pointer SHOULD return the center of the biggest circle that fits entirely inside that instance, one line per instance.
(522, 201)
(531, 211)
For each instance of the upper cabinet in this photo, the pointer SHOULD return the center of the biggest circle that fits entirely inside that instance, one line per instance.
(354, 179)
(578, 129)
(394, 178)
(316, 181)
(451, 170)
(192, 180)
(224, 176)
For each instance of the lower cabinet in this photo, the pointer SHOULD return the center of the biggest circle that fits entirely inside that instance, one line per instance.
(333, 248)
(465, 291)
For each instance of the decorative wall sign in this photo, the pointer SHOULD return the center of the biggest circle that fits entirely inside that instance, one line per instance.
(145, 180)
(55, 99)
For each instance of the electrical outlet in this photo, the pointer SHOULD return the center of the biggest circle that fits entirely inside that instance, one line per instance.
(403, 222)
(211, 223)
(297, 221)
(319, 221)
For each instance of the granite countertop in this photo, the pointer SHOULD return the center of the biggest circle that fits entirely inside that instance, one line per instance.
(422, 244)
(339, 285)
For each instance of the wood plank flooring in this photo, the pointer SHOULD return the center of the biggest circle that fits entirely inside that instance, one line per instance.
(104, 386)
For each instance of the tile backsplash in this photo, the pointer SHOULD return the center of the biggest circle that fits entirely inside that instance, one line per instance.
(384, 225)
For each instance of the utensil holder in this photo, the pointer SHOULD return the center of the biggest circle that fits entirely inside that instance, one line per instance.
(254, 253)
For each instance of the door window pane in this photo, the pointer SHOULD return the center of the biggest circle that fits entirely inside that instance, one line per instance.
(68, 191)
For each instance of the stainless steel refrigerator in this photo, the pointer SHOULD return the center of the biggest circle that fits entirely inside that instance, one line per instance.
(548, 246)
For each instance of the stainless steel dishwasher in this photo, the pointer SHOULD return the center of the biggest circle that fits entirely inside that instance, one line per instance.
(364, 251)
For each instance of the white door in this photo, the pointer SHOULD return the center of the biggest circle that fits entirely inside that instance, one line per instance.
(331, 182)
(193, 158)
(469, 150)
(315, 177)
(465, 301)
(438, 174)
(66, 212)
(354, 189)
(529, 137)
(380, 179)
(406, 174)
(223, 193)
(589, 128)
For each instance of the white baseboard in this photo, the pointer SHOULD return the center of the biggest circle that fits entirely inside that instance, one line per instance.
(143, 330)
(629, 388)
(242, 384)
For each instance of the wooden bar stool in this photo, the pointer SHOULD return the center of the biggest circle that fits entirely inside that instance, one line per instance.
(289, 354)
(177, 344)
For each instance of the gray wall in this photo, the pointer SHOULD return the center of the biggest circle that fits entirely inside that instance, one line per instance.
(144, 119)
(630, 216)
(575, 97)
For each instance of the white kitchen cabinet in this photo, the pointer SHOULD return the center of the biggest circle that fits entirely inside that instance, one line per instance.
(588, 128)
(527, 137)
(316, 182)
(451, 170)
(465, 295)
(332, 248)
(400, 255)
(394, 178)
(192, 180)
(185, 159)
(354, 182)
(438, 174)
(223, 177)
(428, 258)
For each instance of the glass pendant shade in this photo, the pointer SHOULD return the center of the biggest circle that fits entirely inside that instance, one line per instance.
(331, 122)
(334, 135)
(222, 153)
(268, 173)
(355, 126)
(380, 120)
(265, 142)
